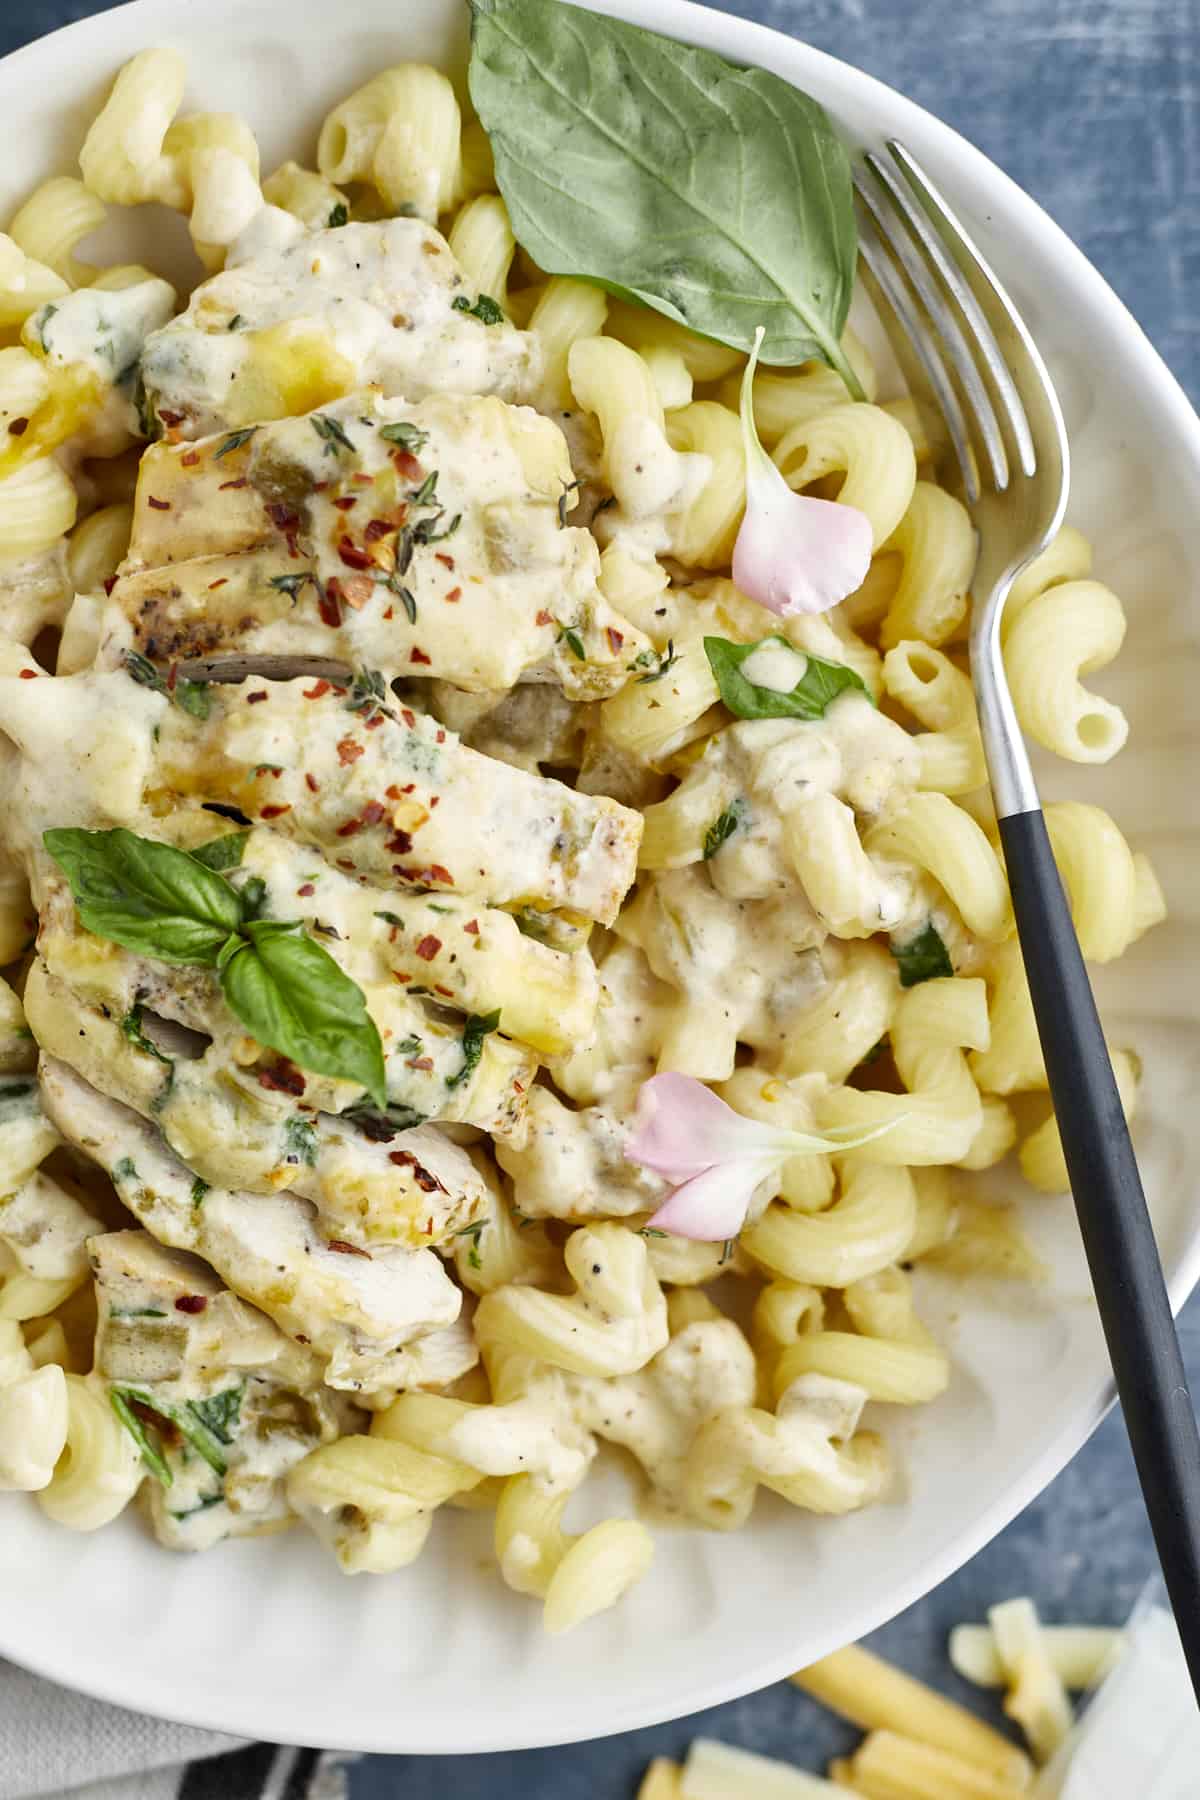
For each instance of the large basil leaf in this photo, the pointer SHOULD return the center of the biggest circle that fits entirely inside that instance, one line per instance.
(820, 684)
(151, 898)
(717, 195)
(292, 996)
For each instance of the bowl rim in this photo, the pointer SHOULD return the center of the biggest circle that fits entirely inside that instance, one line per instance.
(946, 150)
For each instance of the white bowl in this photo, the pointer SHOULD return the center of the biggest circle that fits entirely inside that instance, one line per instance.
(269, 1639)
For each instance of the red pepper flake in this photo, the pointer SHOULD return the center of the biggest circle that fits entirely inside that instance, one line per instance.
(517, 1085)
(446, 560)
(428, 948)
(421, 1062)
(435, 801)
(429, 1228)
(410, 719)
(400, 974)
(435, 872)
(447, 992)
(29, 674)
(285, 517)
(378, 528)
(357, 590)
(170, 418)
(372, 812)
(283, 1078)
(328, 606)
(222, 582)
(615, 639)
(312, 784)
(400, 844)
(390, 613)
(241, 482)
(361, 480)
(472, 927)
(374, 722)
(350, 828)
(158, 505)
(274, 812)
(417, 655)
(348, 751)
(406, 464)
(439, 737)
(316, 693)
(190, 458)
(343, 862)
(544, 618)
(353, 555)
(172, 677)
(345, 1249)
(305, 891)
(19, 427)
(110, 584)
(256, 696)
(428, 1183)
(190, 1303)
(347, 502)
(454, 596)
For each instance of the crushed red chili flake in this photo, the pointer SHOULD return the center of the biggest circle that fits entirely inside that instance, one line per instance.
(421, 1062)
(222, 582)
(190, 458)
(417, 655)
(190, 1303)
(361, 480)
(357, 590)
(454, 596)
(170, 418)
(447, 992)
(615, 639)
(401, 974)
(544, 618)
(284, 516)
(283, 1078)
(241, 482)
(435, 872)
(158, 505)
(435, 801)
(315, 693)
(312, 784)
(410, 719)
(372, 812)
(29, 674)
(350, 828)
(343, 862)
(517, 1085)
(353, 555)
(377, 529)
(172, 677)
(472, 926)
(346, 503)
(345, 1249)
(428, 948)
(439, 737)
(256, 696)
(399, 844)
(19, 427)
(327, 603)
(374, 722)
(306, 890)
(110, 584)
(274, 812)
(390, 613)
(348, 751)
(445, 559)
(427, 1182)
(406, 464)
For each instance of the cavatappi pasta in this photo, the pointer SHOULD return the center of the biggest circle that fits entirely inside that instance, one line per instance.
(452, 533)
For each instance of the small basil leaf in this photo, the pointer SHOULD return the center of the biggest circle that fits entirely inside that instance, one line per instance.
(820, 684)
(152, 1456)
(475, 1030)
(291, 995)
(220, 1413)
(923, 957)
(149, 897)
(723, 827)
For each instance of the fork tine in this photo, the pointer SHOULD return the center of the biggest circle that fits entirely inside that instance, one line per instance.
(879, 264)
(935, 225)
(891, 221)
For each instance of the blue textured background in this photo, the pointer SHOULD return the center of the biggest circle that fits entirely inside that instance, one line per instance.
(1094, 107)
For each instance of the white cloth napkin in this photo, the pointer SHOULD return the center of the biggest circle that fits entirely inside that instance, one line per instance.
(56, 1745)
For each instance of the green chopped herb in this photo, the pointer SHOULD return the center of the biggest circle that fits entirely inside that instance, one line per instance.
(220, 1414)
(135, 1312)
(652, 1231)
(202, 1505)
(818, 686)
(923, 957)
(425, 532)
(234, 441)
(144, 407)
(125, 1170)
(409, 1046)
(300, 1141)
(331, 433)
(223, 852)
(409, 437)
(131, 1027)
(477, 1027)
(568, 635)
(391, 918)
(724, 826)
(474, 1232)
(369, 693)
(340, 215)
(234, 322)
(484, 308)
(199, 1189)
(291, 584)
(120, 1400)
(44, 318)
(192, 697)
(666, 662)
(382, 1124)
(426, 494)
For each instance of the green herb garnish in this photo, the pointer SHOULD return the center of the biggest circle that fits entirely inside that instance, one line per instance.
(483, 308)
(223, 852)
(334, 438)
(724, 826)
(475, 1030)
(474, 1232)
(152, 1456)
(192, 697)
(340, 215)
(818, 686)
(568, 635)
(300, 1141)
(409, 437)
(199, 1189)
(234, 441)
(666, 662)
(923, 957)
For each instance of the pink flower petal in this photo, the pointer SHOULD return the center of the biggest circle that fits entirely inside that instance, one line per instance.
(793, 554)
(681, 1128)
(711, 1207)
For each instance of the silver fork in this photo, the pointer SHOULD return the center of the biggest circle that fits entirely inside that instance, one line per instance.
(959, 334)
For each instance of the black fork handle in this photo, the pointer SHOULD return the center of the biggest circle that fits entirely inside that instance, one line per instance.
(1122, 1255)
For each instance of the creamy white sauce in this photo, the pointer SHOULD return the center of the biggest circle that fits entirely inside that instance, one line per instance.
(775, 666)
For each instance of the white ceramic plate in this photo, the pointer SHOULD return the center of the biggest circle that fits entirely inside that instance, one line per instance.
(268, 1639)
